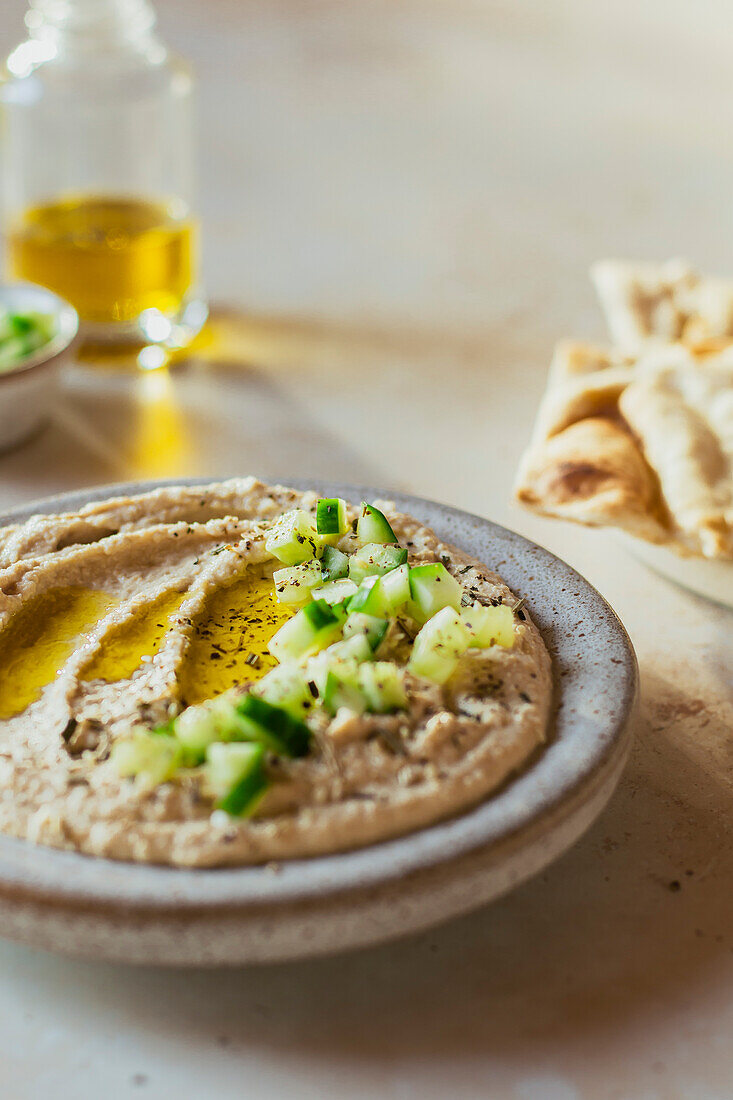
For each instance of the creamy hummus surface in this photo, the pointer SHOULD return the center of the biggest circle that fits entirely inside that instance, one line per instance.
(125, 615)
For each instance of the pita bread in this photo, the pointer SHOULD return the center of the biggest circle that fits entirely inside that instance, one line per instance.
(662, 303)
(642, 439)
(683, 421)
(593, 472)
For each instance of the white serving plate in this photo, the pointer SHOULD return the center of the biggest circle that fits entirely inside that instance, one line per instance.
(75, 903)
(704, 576)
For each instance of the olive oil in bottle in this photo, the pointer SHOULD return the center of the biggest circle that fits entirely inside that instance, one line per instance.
(97, 172)
(112, 258)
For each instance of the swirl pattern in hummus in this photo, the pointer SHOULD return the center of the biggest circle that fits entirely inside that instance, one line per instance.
(366, 778)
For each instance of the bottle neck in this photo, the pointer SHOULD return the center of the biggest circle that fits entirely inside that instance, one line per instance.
(91, 24)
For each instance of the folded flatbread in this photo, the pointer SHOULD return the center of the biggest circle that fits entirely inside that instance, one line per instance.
(642, 439)
(662, 303)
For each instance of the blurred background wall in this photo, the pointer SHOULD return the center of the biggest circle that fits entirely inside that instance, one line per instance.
(361, 158)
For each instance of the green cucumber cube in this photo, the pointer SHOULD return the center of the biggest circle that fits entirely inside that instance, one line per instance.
(313, 628)
(373, 526)
(488, 626)
(197, 727)
(375, 559)
(439, 646)
(331, 517)
(382, 684)
(294, 538)
(341, 688)
(285, 686)
(432, 588)
(334, 564)
(151, 758)
(369, 626)
(394, 590)
(335, 592)
(278, 730)
(293, 585)
(236, 776)
(355, 648)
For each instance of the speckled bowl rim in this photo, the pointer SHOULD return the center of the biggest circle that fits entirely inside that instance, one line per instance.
(595, 677)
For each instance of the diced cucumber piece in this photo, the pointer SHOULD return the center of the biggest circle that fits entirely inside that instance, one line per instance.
(382, 684)
(313, 628)
(331, 518)
(439, 646)
(150, 757)
(334, 564)
(368, 626)
(432, 588)
(294, 539)
(197, 727)
(215, 720)
(293, 584)
(21, 334)
(394, 589)
(346, 654)
(341, 688)
(13, 351)
(355, 648)
(236, 776)
(277, 729)
(489, 625)
(375, 559)
(285, 686)
(383, 596)
(335, 591)
(373, 526)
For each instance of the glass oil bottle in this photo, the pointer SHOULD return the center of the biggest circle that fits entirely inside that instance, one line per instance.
(97, 173)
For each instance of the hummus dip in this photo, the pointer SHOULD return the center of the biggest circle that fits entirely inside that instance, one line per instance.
(117, 619)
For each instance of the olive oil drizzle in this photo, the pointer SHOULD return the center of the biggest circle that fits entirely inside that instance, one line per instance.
(40, 638)
(229, 638)
(127, 645)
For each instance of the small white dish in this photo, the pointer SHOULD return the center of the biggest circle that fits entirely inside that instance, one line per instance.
(28, 390)
(706, 577)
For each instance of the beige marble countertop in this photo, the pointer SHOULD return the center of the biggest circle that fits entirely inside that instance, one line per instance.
(400, 202)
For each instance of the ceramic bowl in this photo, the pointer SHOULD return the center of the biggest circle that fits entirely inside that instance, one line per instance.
(27, 392)
(133, 913)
